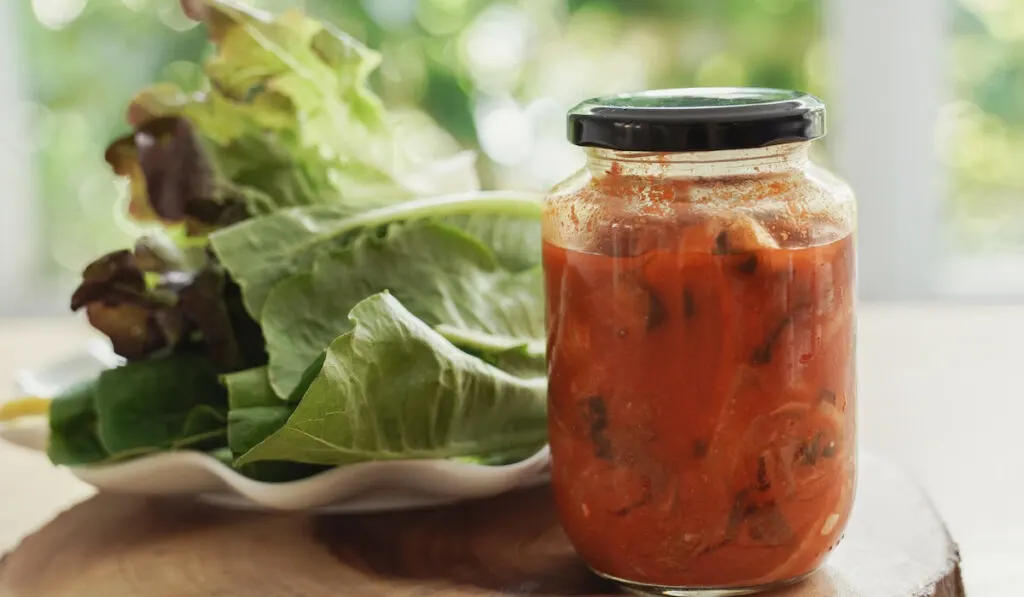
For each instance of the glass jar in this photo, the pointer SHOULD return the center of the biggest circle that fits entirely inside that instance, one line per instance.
(700, 280)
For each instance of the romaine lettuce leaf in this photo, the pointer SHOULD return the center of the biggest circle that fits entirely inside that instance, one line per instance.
(442, 275)
(261, 252)
(393, 388)
(254, 411)
(515, 240)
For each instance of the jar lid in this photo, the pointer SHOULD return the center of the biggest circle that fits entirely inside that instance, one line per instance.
(697, 119)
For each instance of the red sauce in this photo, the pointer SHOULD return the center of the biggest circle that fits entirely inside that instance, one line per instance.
(701, 407)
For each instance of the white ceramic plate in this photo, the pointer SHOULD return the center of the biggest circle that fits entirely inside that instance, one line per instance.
(366, 487)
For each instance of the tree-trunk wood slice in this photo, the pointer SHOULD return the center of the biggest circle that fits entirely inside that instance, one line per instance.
(124, 546)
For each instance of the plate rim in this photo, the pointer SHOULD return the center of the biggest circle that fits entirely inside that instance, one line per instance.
(428, 481)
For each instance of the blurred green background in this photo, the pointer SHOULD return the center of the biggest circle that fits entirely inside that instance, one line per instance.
(499, 75)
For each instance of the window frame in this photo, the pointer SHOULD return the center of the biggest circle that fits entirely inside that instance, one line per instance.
(890, 78)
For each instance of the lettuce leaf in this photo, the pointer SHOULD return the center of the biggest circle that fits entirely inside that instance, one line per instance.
(169, 403)
(120, 302)
(393, 388)
(74, 430)
(261, 252)
(441, 274)
(161, 297)
(254, 410)
(285, 119)
(514, 239)
(173, 179)
(254, 413)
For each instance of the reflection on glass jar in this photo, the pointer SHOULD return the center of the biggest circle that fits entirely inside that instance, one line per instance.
(700, 277)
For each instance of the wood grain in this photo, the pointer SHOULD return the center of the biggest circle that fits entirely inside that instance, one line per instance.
(123, 546)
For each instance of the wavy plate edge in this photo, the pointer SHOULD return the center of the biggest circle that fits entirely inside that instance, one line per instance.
(364, 487)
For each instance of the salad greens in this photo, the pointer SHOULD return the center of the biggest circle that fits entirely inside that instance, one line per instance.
(394, 388)
(439, 272)
(286, 120)
(156, 404)
(308, 296)
(262, 252)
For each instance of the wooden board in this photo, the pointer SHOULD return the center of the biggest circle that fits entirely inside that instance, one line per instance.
(123, 546)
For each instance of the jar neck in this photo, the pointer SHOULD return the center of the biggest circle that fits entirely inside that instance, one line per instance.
(776, 159)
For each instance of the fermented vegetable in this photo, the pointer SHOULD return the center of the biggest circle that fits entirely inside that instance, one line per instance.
(700, 290)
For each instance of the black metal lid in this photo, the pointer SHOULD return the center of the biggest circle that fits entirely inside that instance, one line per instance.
(697, 119)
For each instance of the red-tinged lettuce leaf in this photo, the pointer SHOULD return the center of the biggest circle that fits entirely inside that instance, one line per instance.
(139, 321)
(115, 275)
(160, 298)
(173, 178)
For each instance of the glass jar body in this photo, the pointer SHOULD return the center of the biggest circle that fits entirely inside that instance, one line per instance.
(701, 323)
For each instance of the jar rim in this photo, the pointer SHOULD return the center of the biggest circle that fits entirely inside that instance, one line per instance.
(697, 119)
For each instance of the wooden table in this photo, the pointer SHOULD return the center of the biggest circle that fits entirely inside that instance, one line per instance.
(938, 393)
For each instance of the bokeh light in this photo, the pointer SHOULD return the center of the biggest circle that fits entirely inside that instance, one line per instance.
(505, 132)
(56, 14)
(499, 75)
(393, 14)
(442, 17)
(172, 16)
(495, 48)
(980, 135)
(137, 5)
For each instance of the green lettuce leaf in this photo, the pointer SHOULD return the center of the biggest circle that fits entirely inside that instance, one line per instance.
(169, 403)
(74, 430)
(442, 275)
(261, 252)
(514, 239)
(393, 388)
(160, 404)
(285, 119)
(526, 360)
(255, 412)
